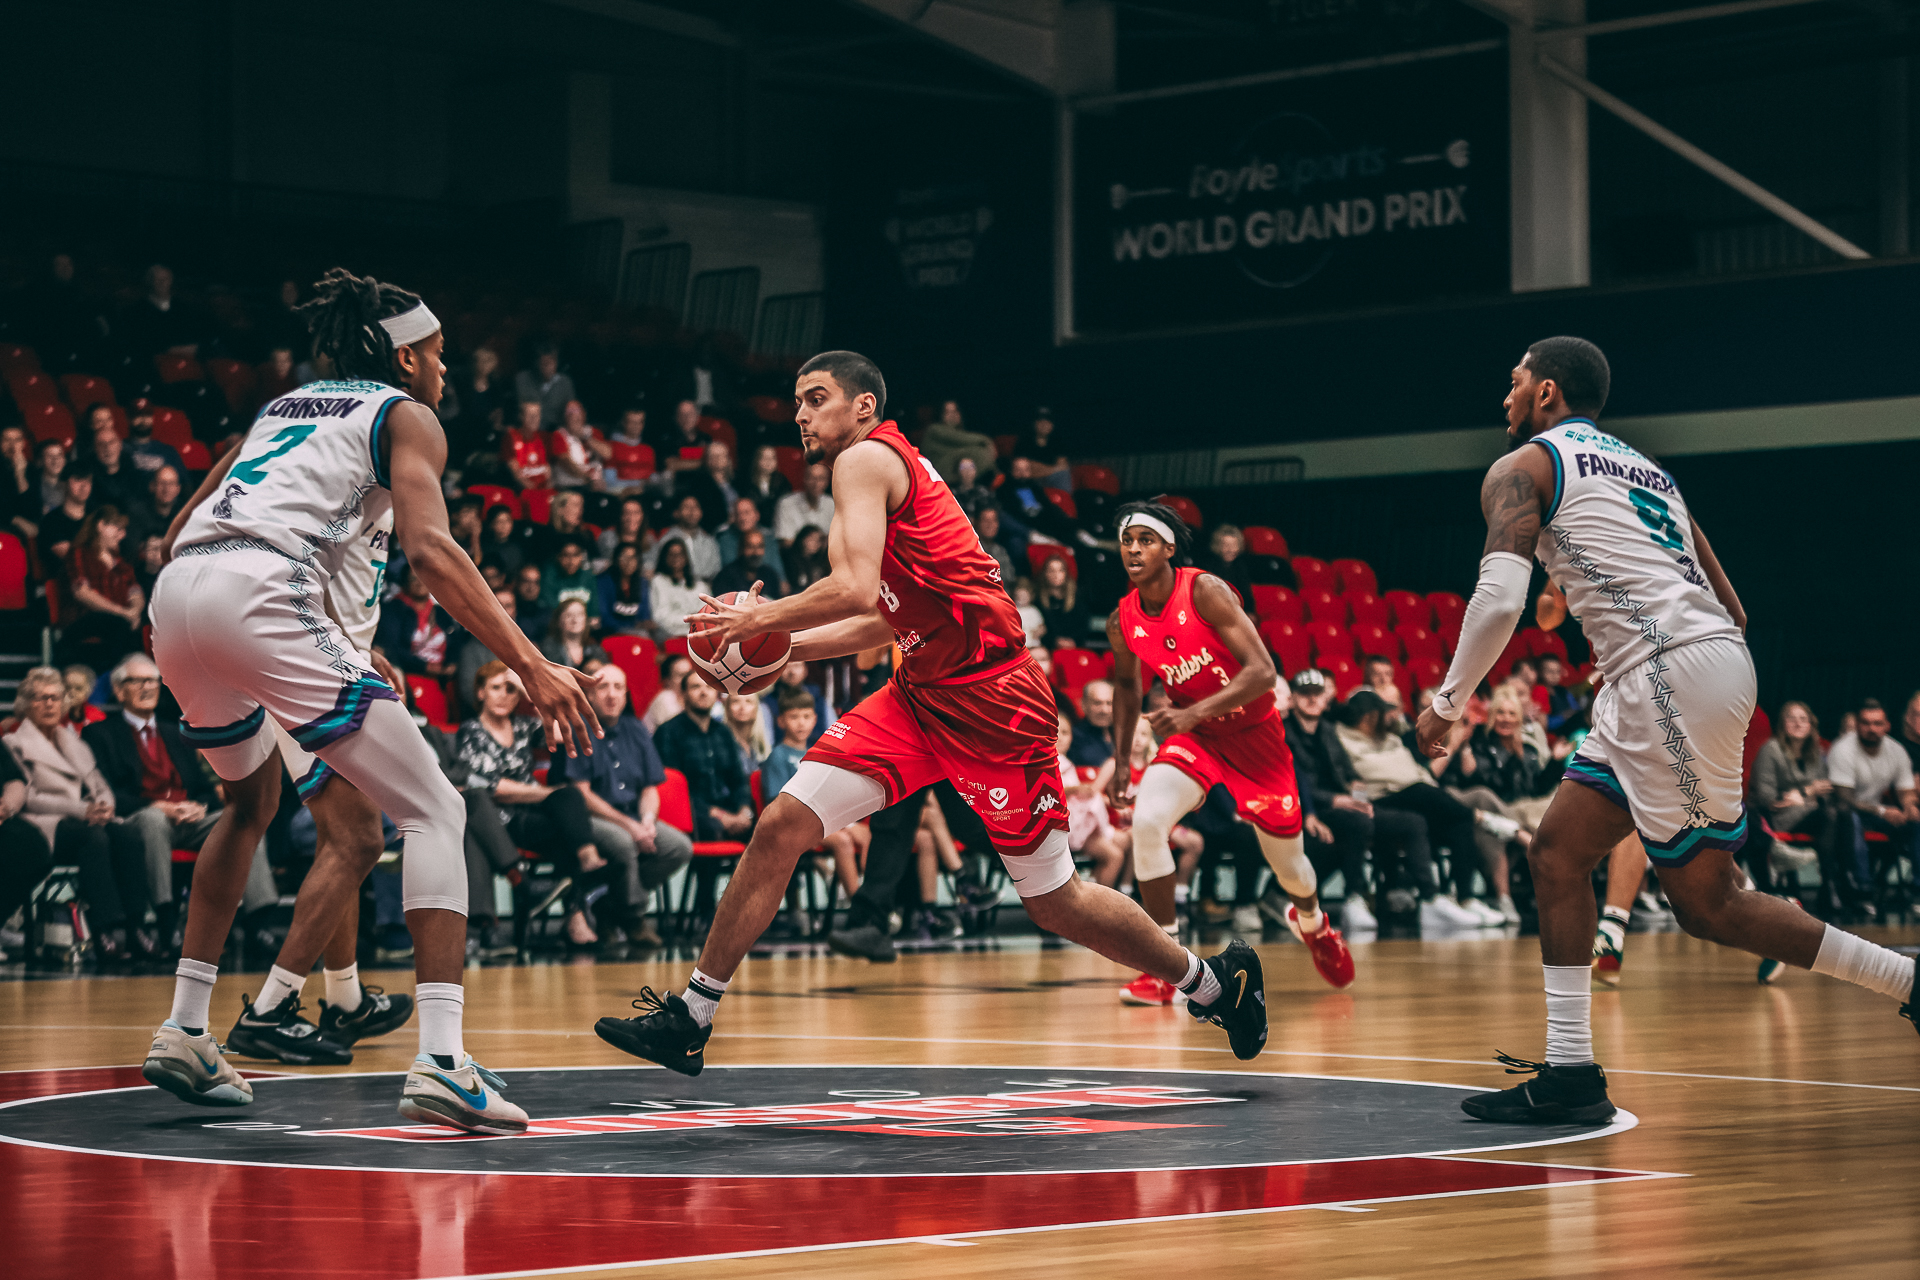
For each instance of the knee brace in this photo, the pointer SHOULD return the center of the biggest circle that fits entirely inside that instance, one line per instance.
(1166, 795)
(838, 797)
(1287, 855)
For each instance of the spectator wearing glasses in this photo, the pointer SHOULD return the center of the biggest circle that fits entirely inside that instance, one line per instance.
(1873, 779)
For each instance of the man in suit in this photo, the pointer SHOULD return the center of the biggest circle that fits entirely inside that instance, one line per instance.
(159, 788)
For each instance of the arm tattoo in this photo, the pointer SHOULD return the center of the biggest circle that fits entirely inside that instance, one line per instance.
(1511, 503)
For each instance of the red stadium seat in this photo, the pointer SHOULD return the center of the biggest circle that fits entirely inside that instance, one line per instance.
(538, 504)
(1091, 475)
(1063, 500)
(1292, 647)
(1418, 643)
(13, 573)
(497, 495)
(1344, 673)
(1323, 605)
(1448, 609)
(1449, 637)
(236, 380)
(1038, 553)
(722, 430)
(1503, 665)
(1003, 445)
(1355, 575)
(1186, 508)
(16, 359)
(84, 391)
(194, 456)
(676, 810)
(771, 409)
(1271, 601)
(429, 699)
(1426, 673)
(1265, 541)
(793, 464)
(1330, 640)
(1313, 574)
(33, 388)
(1363, 607)
(49, 421)
(635, 655)
(1409, 609)
(1540, 643)
(674, 644)
(1372, 639)
(1073, 668)
(178, 368)
(631, 461)
(170, 426)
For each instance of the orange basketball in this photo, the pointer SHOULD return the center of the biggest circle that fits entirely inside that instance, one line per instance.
(748, 667)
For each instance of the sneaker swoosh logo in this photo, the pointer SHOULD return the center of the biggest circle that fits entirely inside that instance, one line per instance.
(478, 1101)
(695, 1051)
(211, 1068)
(1241, 994)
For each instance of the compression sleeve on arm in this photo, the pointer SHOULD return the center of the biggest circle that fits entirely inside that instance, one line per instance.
(1498, 600)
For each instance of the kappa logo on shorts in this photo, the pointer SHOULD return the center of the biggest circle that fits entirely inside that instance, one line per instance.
(997, 797)
(1045, 803)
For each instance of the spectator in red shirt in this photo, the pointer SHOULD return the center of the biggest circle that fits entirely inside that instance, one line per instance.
(414, 631)
(524, 449)
(102, 620)
(578, 457)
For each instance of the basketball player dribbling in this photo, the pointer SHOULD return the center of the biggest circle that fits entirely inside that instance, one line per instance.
(1664, 755)
(1187, 628)
(240, 634)
(968, 704)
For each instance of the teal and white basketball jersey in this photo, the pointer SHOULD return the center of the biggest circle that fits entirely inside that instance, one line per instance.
(353, 594)
(1618, 540)
(309, 482)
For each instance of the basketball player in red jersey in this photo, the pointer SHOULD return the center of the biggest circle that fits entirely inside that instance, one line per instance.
(968, 704)
(1187, 628)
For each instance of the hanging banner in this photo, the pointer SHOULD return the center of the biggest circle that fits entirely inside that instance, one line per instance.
(1317, 195)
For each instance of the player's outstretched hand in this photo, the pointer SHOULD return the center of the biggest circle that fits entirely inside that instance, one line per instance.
(727, 623)
(1431, 732)
(559, 694)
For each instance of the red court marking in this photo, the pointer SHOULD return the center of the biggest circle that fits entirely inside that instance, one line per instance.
(65, 1213)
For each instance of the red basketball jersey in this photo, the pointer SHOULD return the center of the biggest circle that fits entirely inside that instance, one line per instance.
(1184, 650)
(939, 589)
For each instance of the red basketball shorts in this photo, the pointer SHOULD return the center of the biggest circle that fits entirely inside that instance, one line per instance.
(1253, 763)
(993, 738)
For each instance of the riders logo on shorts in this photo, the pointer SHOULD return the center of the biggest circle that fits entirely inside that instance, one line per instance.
(997, 797)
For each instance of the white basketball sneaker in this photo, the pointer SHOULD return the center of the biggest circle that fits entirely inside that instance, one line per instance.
(192, 1070)
(468, 1097)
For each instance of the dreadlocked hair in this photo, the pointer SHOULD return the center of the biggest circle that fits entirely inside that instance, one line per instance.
(344, 318)
(1182, 538)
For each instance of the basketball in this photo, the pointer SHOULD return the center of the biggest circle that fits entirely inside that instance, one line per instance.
(749, 667)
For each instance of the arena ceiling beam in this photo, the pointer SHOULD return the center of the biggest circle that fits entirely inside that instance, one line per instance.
(659, 18)
(1061, 48)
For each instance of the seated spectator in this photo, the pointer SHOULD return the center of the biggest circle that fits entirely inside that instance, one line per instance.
(544, 385)
(810, 507)
(674, 443)
(529, 588)
(523, 448)
(101, 619)
(19, 484)
(675, 591)
(564, 520)
(415, 633)
(502, 540)
(473, 656)
(754, 565)
(1227, 560)
(796, 722)
(1873, 781)
(569, 642)
(667, 703)
(116, 481)
(1376, 673)
(987, 525)
(158, 321)
(712, 483)
(631, 432)
(70, 802)
(807, 560)
(1330, 789)
(465, 523)
(49, 474)
(707, 753)
(1089, 827)
(58, 526)
(277, 374)
(1791, 789)
(766, 484)
(578, 459)
(1910, 730)
(147, 454)
(485, 401)
(1058, 600)
(792, 684)
(1566, 709)
(967, 490)
(25, 856)
(1031, 620)
(749, 730)
(625, 607)
(1093, 732)
(703, 553)
(151, 560)
(1040, 445)
(152, 517)
(1497, 772)
(620, 783)
(80, 680)
(1024, 498)
(1394, 779)
(629, 526)
(497, 747)
(746, 517)
(948, 440)
(568, 578)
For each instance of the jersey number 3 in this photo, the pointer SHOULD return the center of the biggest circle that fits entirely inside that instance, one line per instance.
(254, 470)
(1653, 512)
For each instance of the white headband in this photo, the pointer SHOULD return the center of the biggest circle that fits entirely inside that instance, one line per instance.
(1146, 521)
(410, 326)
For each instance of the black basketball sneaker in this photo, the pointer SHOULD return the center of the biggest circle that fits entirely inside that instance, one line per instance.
(280, 1033)
(378, 1014)
(1555, 1095)
(1911, 1009)
(666, 1033)
(1242, 1007)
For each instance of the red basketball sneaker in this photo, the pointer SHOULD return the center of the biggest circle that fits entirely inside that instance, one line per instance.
(1327, 947)
(1147, 989)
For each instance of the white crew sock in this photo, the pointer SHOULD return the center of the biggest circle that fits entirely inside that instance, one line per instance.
(1200, 984)
(1309, 921)
(440, 1005)
(1865, 964)
(1569, 1014)
(1613, 923)
(343, 987)
(1171, 930)
(280, 984)
(193, 995)
(703, 996)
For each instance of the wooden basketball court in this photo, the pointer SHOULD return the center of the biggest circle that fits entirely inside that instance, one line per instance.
(1776, 1130)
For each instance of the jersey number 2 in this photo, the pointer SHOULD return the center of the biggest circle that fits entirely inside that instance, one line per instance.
(1653, 513)
(255, 470)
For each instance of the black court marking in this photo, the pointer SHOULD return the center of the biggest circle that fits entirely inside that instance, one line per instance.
(804, 1122)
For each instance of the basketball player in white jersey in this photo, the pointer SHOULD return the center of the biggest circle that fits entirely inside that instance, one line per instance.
(1663, 758)
(241, 632)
